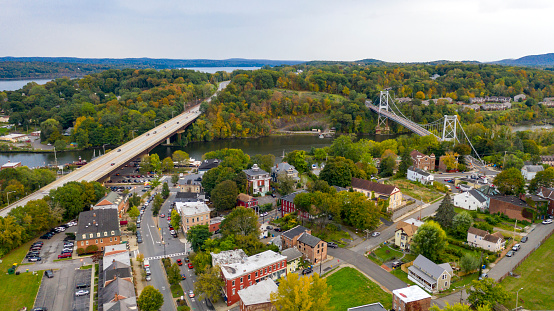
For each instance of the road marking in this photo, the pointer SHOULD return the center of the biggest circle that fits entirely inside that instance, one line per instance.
(165, 256)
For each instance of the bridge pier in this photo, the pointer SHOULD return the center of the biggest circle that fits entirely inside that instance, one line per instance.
(382, 130)
(168, 141)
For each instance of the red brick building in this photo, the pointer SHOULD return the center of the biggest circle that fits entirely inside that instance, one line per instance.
(548, 194)
(215, 223)
(247, 201)
(98, 227)
(238, 271)
(423, 161)
(287, 205)
(411, 298)
(511, 206)
(312, 248)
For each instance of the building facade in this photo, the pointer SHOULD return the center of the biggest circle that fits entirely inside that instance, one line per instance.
(115, 201)
(258, 180)
(419, 175)
(258, 296)
(98, 227)
(404, 233)
(284, 169)
(193, 214)
(483, 239)
(288, 206)
(411, 298)
(430, 276)
(247, 201)
(530, 171)
(374, 190)
(471, 200)
(423, 161)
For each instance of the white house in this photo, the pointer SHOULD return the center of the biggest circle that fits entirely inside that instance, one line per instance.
(471, 200)
(258, 180)
(529, 171)
(480, 238)
(416, 174)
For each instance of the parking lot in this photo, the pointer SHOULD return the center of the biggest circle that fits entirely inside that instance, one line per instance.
(52, 247)
(58, 293)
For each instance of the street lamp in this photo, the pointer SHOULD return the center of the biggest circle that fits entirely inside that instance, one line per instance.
(517, 296)
(8, 196)
(133, 132)
(155, 122)
(104, 148)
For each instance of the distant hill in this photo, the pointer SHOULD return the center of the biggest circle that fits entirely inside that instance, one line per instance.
(541, 60)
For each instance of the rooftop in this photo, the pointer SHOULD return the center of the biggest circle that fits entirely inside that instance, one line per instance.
(290, 197)
(117, 270)
(122, 257)
(112, 197)
(377, 306)
(228, 257)
(372, 186)
(254, 171)
(252, 263)
(209, 164)
(533, 168)
(419, 171)
(291, 253)
(11, 164)
(510, 199)
(189, 197)
(244, 197)
(188, 209)
(428, 267)
(119, 287)
(291, 233)
(309, 239)
(114, 248)
(98, 221)
(258, 293)
(411, 293)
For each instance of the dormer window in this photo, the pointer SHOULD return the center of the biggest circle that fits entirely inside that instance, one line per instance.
(98, 234)
(91, 235)
(84, 236)
(105, 233)
(113, 232)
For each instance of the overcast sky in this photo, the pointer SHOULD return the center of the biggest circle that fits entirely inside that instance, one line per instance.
(390, 30)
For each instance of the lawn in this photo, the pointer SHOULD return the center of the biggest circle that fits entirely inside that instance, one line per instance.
(330, 233)
(414, 190)
(18, 291)
(402, 275)
(384, 254)
(536, 280)
(176, 290)
(350, 288)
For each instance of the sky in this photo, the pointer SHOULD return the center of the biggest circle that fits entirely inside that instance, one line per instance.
(347, 30)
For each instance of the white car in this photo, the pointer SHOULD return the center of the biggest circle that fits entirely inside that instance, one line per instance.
(82, 292)
(547, 221)
(374, 234)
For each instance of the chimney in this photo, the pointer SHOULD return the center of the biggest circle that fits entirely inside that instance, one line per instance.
(93, 214)
(115, 298)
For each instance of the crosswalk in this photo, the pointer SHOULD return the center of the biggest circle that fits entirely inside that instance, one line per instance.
(165, 256)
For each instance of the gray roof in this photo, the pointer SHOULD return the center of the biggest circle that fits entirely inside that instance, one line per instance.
(283, 167)
(129, 304)
(117, 270)
(254, 171)
(290, 197)
(479, 196)
(258, 293)
(209, 164)
(291, 233)
(120, 287)
(112, 197)
(339, 189)
(377, 306)
(309, 239)
(419, 171)
(533, 168)
(428, 267)
(291, 253)
(422, 274)
(190, 197)
(100, 220)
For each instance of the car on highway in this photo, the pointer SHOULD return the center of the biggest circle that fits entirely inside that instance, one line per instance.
(376, 233)
(179, 262)
(524, 239)
(82, 292)
(190, 265)
(510, 254)
(307, 271)
(547, 221)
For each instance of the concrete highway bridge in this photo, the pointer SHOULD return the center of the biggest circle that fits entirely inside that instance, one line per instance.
(102, 167)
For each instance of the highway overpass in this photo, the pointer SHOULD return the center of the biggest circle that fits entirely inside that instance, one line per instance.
(105, 165)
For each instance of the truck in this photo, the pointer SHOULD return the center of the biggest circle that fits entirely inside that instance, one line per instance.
(146, 263)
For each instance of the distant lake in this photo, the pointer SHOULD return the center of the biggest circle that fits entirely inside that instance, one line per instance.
(13, 85)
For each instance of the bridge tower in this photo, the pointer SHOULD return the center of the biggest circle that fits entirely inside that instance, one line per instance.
(449, 128)
(382, 121)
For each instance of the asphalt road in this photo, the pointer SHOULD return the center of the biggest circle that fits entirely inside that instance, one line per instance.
(115, 159)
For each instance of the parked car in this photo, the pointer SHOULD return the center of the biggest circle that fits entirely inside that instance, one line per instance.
(183, 277)
(187, 259)
(509, 253)
(524, 239)
(332, 245)
(269, 227)
(483, 276)
(516, 247)
(191, 294)
(40, 309)
(32, 254)
(190, 265)
(49, 273)
(277, 229)
(307, 271)
(179, 262)
(82, 292)
(139, 239)
(35, 259)
(64, 255)
(147, 271)
(396, 264)
(376, 233)
(547, 221)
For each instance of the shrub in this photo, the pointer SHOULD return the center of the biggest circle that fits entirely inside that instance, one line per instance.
(80, 251)
(91, 249)
(483, 226)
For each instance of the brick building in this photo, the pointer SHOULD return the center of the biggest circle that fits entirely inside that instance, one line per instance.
(98, 227)
(511, 206)
(247, 201)
(113, 200)
(423, 161)
(287, 205)
(411, 298)
(258, 296)
(193, 213)
(311, 247)
(239, 272)
(547, 193)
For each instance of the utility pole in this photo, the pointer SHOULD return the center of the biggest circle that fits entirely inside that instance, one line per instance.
(8, 196)
(504, 165)
(517, 297)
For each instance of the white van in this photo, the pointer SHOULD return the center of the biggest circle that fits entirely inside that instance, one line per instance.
(146, 263)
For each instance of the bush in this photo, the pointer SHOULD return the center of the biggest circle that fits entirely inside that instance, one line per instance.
(493, 220)
(80, 251)
(483, 226)
(91, 249)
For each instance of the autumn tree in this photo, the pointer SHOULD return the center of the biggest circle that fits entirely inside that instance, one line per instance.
(175, 219)
(486, 292)
(285, 184)
(542, 179)
(241, 221)
(510, 182)
(180, 157)
(450, 160)
(208, 284)
(429, 240)
(309, 293)
(150, 299)
(167, 165)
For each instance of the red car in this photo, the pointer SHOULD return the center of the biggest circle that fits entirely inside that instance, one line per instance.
(64, 255)
(190, 265)
(179, 262)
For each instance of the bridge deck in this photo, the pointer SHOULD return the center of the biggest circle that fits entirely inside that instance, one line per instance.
(412, 126)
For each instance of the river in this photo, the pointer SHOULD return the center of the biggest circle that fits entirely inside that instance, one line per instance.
(265, 145)
(520, 128)
(12, 85)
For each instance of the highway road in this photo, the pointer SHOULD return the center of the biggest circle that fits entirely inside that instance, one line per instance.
(116, 158)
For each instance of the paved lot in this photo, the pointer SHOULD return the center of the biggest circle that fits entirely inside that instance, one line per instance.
(58, 293)
(82, 303)
(51, 248)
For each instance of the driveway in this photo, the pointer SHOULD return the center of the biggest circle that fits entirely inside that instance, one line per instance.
(376, 273)
(508, 264)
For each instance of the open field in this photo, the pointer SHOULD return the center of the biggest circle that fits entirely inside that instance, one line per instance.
(18, 291)
(350, 288)
(536, 275)
(415, 191)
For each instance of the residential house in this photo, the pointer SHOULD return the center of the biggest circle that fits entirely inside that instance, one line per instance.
(215, 223)
(258, 180)
(511, 206)
(129, 304)
(473, 107)
(375, 190)
(4, 119)
(193, 213)
(376, 306)
(419, 175)
(240, 273)
(247, 201)
(10, 164)
(258, 296)
(190, 183)
(430, 276)
(549, 160)
(423, 161)
(483, 239)
(471, 200)
(520, 97)
(411, 298)
(290, 237)
(121, 256)
(404, 233)
(277, 242)
(115, 271)
(35, 134)
(442, 164)
(285, 169)
(288, 206)
(313, 248)
(98, 227)
(115, 201)
(547, 193)
(293, 258)
(119, 289)
(207, 165)
(15, 138)
(529, 171)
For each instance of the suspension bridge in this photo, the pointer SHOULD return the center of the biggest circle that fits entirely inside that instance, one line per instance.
(447, 128)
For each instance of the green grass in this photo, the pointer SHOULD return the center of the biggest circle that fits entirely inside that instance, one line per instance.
(402, 275)
(384, 254)
(350, 288)
(18, 291)
(85, 267)
(328, 234)
(68, 258)
(536, 280)
(176, 290)
(414, 190)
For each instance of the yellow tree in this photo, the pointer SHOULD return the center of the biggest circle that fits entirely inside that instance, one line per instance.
(450, 159)
(302, 294)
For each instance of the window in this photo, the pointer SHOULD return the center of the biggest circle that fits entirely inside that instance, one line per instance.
(318, 251)
(91, 235)
(233, 282)
(233, 291)
(192, 220)
(256, 273)
(443, 276)
(97, 234)
(249, 277)
(187, 220)
(101, 240)
(87, 242)
(113, 232)
(115, 239)
(96, 241)
(241, 280)
(84, 236)
(241, 287)
(105, 233)
(110, 239)
(82, 243)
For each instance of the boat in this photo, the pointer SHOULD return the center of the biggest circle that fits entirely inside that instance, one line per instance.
(321, 136)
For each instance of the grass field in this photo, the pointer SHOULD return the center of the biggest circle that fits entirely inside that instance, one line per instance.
(18, 291)
(414, 190)
(536, 280)
(402, 275)
(384, 254)
(350, 288)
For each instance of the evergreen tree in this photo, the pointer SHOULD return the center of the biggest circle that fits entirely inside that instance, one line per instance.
(445, 212)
